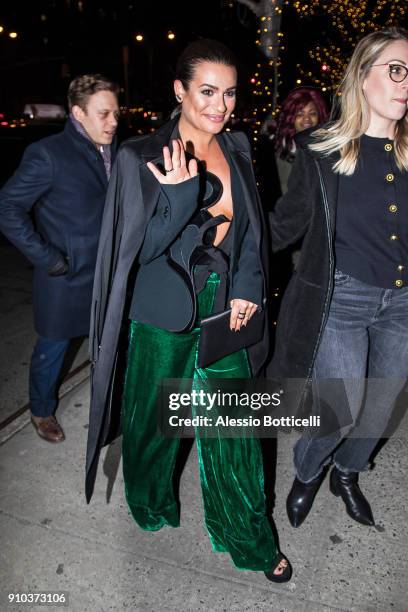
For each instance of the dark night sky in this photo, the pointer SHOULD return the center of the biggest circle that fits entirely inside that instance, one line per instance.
(57, 41)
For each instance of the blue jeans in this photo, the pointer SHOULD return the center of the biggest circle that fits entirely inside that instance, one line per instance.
(365, 343)
(46, 363)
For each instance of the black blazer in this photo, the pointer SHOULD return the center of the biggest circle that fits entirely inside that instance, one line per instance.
(164, 294)
(62, 180)
(132, 200)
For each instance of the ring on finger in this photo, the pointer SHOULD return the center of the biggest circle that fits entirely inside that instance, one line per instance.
(241, 315)
(171, 170)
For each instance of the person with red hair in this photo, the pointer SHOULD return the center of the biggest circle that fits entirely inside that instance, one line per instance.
(303, 108)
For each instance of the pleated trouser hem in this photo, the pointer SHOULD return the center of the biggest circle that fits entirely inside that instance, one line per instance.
(257, 554)
(150, 520)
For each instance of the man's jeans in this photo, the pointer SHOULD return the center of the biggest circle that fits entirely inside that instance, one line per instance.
(365, 342)
(46, 362)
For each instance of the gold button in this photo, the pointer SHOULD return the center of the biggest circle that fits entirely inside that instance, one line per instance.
(393, 237)
(399, 283)
(400, 268)
(390, 177)
(388, 147)
(393, 208)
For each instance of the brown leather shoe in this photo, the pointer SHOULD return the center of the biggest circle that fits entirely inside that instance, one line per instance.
(48, 428)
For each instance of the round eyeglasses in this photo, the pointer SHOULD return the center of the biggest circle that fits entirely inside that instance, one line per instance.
(396, 72)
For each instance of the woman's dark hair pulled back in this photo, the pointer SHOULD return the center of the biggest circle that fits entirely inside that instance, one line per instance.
(202, 50)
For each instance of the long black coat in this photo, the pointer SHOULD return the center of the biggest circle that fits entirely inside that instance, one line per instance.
(307, 209)
(62, 180)
(132, 199)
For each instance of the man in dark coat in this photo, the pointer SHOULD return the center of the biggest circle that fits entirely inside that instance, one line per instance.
(62, 180)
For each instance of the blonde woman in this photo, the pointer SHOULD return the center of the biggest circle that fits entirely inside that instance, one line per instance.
(345, 313)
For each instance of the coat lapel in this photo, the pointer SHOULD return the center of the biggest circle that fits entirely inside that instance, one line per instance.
(89, 151)
(241, 161)
(150, 186)
(331, 183)
(325, 164)
(242, 164)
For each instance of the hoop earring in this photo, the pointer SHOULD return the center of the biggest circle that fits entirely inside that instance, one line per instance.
(179, 98)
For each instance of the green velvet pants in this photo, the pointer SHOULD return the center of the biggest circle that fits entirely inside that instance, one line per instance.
(231, 471)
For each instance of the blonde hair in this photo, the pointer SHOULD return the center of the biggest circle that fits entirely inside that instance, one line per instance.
(344, 133)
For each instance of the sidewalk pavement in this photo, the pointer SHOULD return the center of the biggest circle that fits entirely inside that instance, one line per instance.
(51, 541)
(17, 330)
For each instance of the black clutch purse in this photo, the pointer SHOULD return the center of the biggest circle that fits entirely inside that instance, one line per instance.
(217, 340)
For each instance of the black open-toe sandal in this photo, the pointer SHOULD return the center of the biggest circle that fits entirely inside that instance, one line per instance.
(285, 576)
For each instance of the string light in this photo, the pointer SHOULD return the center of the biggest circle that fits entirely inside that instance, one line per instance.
(348, 22)
(323, 66)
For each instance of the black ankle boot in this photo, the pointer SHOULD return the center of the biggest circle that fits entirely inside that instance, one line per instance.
(346, 485)
(300, 499)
